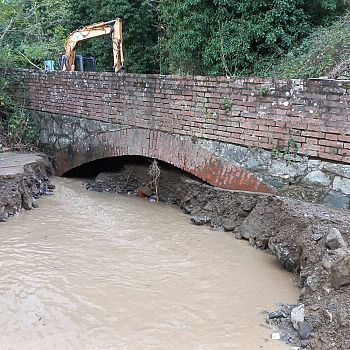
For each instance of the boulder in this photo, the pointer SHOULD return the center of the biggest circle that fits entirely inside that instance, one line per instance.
(3, 216)
(250, 226)
(341, 184)
(27, 202)
(316, 237)
(229, 225)
(243, 213)
(317, 177)
(304, 330)
(312, 282)
(340, 272)
(335, 240)
(285, 258)
(208, 207)
(187, 209)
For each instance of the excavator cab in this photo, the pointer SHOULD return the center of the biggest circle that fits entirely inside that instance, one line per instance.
(81, 63)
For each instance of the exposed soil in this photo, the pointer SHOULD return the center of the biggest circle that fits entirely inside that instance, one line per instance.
(23, 178)
(298, 233)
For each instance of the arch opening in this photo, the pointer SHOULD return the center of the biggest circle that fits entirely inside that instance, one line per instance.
(131, 174)
(180, 152)
(92, 169)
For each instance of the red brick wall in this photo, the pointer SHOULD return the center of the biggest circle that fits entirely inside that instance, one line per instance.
(257, 112)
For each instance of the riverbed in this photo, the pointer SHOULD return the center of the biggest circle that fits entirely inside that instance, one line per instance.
(92, 270)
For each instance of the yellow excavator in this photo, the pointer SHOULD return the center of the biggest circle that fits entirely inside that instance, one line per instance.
(96, 30)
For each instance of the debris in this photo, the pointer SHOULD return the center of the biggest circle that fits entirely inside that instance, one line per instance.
(317, 237)
(297, 315)
(200, 219)
(276, 314)
(145, 191)
(275, 336)
(327, 315)
(287, 338)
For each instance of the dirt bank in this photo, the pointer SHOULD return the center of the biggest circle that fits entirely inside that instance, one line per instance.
(23, 178)
(309, 240)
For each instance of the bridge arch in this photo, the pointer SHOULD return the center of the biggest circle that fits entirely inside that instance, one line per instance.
(173, 149)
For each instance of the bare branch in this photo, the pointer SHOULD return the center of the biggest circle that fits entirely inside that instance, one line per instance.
(154, 174)
(29, 61)
(6, 29)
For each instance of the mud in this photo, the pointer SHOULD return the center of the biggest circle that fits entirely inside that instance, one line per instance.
(295, 232)
(23, 178)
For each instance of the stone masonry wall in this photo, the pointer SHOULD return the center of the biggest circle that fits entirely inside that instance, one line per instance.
(310, 116)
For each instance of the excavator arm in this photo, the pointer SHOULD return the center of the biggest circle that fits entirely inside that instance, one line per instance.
(94, 31)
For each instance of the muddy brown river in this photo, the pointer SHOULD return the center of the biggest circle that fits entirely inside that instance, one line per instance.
(94, 270)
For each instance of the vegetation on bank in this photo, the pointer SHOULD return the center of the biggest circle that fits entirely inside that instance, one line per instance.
(325, 52)
(17, 130)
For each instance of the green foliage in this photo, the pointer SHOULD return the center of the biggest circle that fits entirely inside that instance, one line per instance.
(323, 12)
(188, 26)
(20, 128)
(225, 37)
(264, 91)
(34, 28)
(319, 53)
(291, 149)
(30, 32)
(288, 152)
(276, 152)
(254, 33)
(18, 131)
(226, 104)
(6, 101)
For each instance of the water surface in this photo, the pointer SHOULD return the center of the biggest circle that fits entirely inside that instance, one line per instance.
(94, 270)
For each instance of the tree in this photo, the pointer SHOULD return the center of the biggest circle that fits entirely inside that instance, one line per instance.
(216, 37)
(230, 37)
(31, 31)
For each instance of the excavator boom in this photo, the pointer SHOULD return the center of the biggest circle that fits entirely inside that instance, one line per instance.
(94, 31)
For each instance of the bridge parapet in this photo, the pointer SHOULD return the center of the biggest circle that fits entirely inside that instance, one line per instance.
(312, 115)
(280, 133)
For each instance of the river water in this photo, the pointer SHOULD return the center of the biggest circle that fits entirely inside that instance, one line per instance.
(94, 270)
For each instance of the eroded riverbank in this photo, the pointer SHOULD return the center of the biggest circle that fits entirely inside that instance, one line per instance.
(23, 178)
(102, 271)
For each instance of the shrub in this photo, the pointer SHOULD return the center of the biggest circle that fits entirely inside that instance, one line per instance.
(18, 132)
(319, 54)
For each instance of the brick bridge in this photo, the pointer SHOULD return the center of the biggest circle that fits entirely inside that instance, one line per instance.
(203, 125)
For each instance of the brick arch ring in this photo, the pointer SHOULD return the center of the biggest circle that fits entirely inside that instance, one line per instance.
(175, 150)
